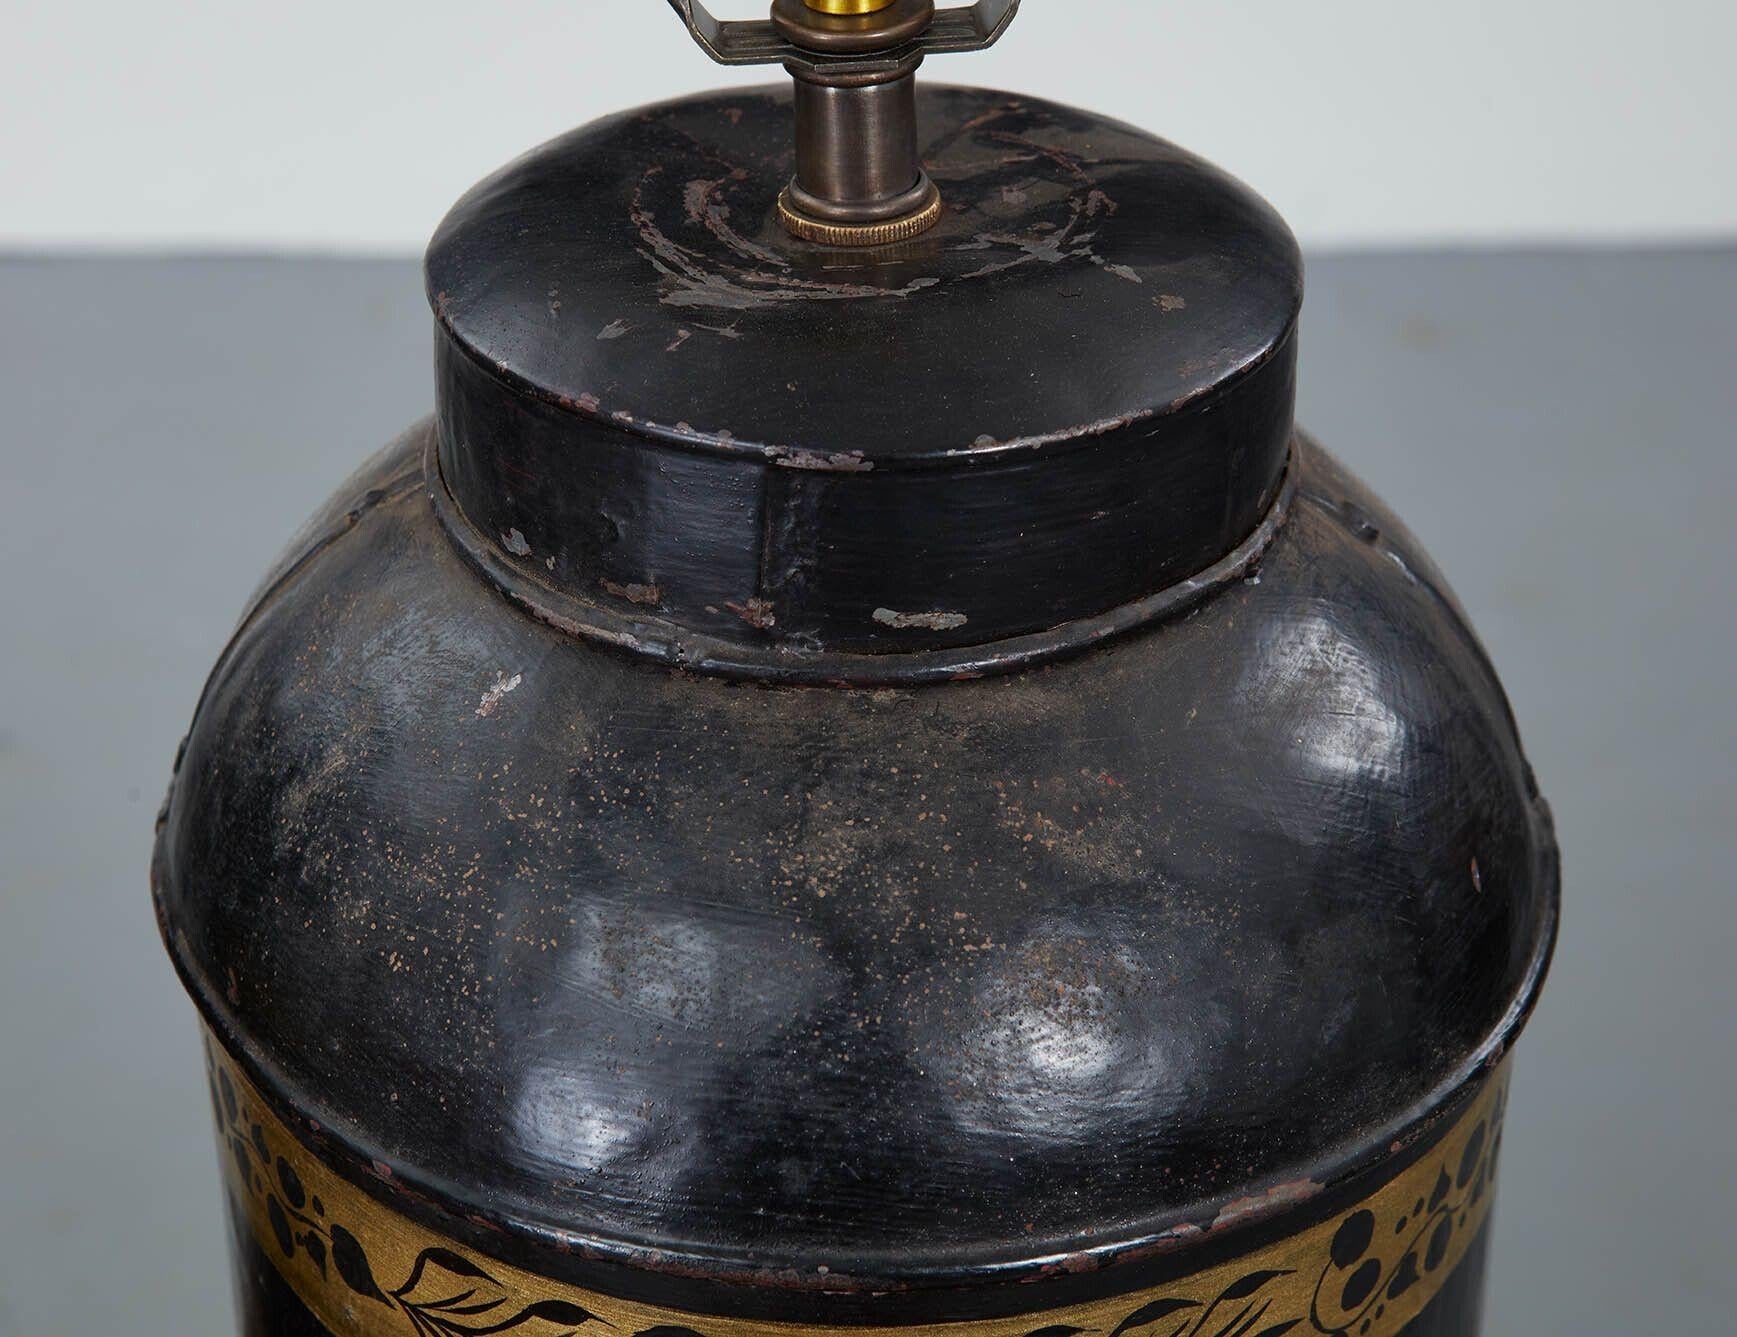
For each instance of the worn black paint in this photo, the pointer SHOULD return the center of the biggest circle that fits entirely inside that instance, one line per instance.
(658, 979)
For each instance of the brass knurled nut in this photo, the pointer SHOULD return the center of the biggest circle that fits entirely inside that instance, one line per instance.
(860, 234)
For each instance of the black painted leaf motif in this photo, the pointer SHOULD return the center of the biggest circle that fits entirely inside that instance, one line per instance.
(1404, 1276)
(1438, 1244)
(279, 1225)
(1360, 1286)
(561, 1313)
(228, 1090)
(445, 1286)
(316, 1250)
(1056, 1330)
(352, 1264)
(1151, 1313)
(1243, 1287)
(260, 1146)
(1352, 1239)
(239, 1148)
(1244, 1319)
(291, 1183)
(1440, 1192)
(446, 1260)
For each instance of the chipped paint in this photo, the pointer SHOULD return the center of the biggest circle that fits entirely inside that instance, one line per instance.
(925, 621)
(491, 699)
(843, 462)
(747, 276)
(514, 542)
(1259, 1206)
(648, 596)
(756, 613)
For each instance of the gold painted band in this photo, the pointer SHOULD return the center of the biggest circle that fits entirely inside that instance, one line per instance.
(365, 1271)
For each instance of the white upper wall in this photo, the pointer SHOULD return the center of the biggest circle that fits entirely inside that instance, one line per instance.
(255, 124)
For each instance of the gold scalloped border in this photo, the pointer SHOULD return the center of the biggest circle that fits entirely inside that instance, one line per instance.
(364, 1270)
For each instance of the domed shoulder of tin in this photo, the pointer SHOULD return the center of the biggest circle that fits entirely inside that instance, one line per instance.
(627, 973)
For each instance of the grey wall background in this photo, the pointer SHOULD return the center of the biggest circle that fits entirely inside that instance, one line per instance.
(351, 124)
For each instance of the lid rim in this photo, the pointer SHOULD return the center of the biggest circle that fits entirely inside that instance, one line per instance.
(680, 436)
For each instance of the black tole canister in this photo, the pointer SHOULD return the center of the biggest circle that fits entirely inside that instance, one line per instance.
(858, 776)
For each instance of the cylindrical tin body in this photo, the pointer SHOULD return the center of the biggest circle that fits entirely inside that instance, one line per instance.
(831, 791)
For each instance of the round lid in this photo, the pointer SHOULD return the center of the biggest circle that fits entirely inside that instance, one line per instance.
(666, 421)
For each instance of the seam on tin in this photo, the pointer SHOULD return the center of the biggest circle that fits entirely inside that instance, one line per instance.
(667, 642)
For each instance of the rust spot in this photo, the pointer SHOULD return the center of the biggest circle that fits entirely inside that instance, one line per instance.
(650, 596)
(924, 621)
(756, 613)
